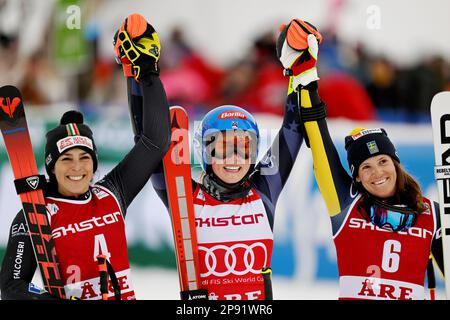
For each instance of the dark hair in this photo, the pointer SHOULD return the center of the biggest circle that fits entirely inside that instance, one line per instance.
(407, 192)
(70, 133)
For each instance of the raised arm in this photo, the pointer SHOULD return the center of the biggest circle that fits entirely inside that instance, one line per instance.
(275, 167)
(333, 181)
(298, 47)
(148, 108)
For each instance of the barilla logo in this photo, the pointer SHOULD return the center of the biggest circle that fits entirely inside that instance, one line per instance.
(74, 141)
(365, 132)
(232, 115)
(10, 106)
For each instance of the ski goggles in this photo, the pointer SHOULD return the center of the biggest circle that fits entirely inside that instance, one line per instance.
(244, 146)
(393, 217)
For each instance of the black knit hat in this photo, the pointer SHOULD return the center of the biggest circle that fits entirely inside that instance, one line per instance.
(362, 144)
(71, 133)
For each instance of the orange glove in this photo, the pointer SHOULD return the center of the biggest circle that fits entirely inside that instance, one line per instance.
(137, 47)
(297, 49)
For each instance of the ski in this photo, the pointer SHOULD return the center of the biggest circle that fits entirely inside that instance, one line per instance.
(29, 183)
(177, 170)
(440, 120)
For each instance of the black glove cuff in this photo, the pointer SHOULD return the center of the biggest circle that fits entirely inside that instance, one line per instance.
(147, 70)
(315, 113)
(313, 86)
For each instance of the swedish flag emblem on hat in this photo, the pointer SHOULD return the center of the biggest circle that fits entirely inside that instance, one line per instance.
(372, 146)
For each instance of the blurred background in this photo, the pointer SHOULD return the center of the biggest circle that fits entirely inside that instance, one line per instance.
(380, 65)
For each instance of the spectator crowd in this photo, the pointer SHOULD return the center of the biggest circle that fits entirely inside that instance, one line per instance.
(355, 83)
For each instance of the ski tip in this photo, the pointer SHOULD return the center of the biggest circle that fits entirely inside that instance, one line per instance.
(10, 91)
(11, 107)
(178, 108)
(441, 100)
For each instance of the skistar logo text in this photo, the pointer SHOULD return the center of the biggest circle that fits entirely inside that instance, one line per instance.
(234, 220)
(85, 225)
(357, 223)
(232, 115)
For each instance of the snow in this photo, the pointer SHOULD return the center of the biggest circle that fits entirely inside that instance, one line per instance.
(162, 284)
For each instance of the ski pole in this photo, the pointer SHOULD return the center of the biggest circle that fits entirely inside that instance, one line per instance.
(103, 271)
(431, 279)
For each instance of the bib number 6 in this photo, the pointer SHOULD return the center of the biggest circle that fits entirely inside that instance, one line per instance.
(391, 255)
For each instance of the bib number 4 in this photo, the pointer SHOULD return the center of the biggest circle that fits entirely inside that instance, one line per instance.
(100, 247)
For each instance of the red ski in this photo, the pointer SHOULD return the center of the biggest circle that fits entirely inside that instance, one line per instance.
(177, 170)
(29, 184)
